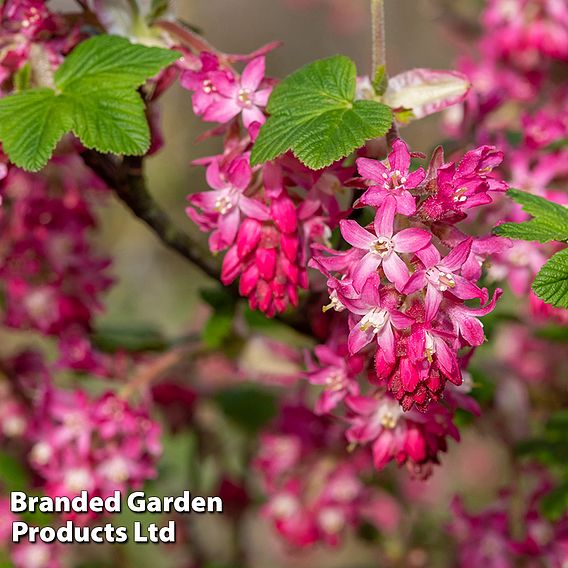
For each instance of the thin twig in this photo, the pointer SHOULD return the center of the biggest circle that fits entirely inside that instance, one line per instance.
(148, 373)
(127, 180)
(378, 38)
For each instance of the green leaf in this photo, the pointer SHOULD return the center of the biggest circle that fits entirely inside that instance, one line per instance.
(113, 61)
(248, 406)
(95, 97)
(218, 328)
(111, 121)
(13, 475)
(22, 77)
(551, 283)
(314, 113)
(555, 504)
(550, 221)
(31, 124)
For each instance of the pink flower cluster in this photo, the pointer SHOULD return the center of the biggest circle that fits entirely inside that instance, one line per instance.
(252, 213)
(99, 445)
(29, 23)
(51, 277)
(315, 492)
(403, 286)
(488, 537)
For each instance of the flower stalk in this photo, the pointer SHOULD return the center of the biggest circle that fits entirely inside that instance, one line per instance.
(378, 34)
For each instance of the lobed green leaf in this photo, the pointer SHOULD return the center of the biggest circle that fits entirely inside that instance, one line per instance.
(111, 121)
(315, 115)
(95, 97)
(113, 61)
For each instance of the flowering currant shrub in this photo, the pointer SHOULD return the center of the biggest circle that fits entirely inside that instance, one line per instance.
(373, 371)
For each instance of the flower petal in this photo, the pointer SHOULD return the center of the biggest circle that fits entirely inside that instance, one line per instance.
(411, 240)
(371, 169)
(358, 339)
(384, 219)
(364, 269)
(386, 342)
(253, 74)
(465, 290)
(355, 235)
(396, 270)
(399, 158)
(405, 203)
(253, 208)
(432, 301)
(416, 282)
(457, 256)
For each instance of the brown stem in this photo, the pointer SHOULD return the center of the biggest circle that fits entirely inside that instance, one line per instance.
(378, 34)
(126, 178)
(147, 374)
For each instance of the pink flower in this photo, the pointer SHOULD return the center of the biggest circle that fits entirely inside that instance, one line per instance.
(224, 205)
(238, 96)
(428, 351)
(483, 539)
(313, 489)
(95, 444)
(461, 186)
(337, 373)
(376, 319)
(53, 281)
(37, 555)
(439, 276)
(201, 83)
(407, 438)
(465, 319)
(393, 179)
(381, 249)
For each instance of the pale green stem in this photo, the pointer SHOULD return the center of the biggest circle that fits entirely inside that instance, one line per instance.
(378, 34)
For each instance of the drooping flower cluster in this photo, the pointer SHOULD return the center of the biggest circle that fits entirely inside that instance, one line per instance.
(315, 492)
(252, 213)
(403, 289)
(98, 445)
(413, 439)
